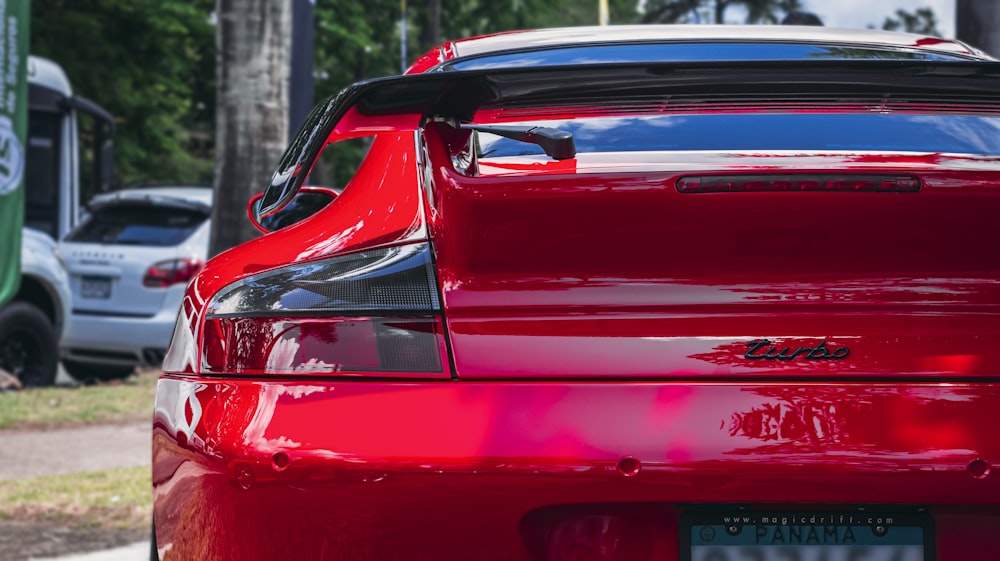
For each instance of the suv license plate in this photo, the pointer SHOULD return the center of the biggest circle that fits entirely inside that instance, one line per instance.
(805, 536)
(95, 287)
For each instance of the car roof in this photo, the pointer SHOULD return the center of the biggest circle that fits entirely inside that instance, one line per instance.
(540, 39)
(180, 195)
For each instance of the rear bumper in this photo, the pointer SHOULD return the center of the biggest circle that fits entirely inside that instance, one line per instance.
(454, 470)
(111, 339)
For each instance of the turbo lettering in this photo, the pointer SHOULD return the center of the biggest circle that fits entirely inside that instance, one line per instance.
(764, 349)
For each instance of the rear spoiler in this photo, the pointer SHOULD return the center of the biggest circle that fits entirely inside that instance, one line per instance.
(459, 94)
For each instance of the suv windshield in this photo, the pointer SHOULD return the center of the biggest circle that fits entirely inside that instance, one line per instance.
(132, 224)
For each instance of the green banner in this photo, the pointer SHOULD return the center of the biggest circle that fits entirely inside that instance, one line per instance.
(13, 132)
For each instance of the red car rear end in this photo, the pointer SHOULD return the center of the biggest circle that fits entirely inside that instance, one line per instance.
(754, 316)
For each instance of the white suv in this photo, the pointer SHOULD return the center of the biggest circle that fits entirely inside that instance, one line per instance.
(129, 262)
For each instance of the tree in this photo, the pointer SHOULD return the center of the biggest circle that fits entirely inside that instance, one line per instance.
(714, 11)
(432, 29)
(150, 63)
(976, 23)
(767, 11)
(922, 21)
(354, 41)
(253, 46)
(585, 13)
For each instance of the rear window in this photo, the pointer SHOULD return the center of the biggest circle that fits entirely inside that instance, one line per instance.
(138, 225)
(954, 134)
(652, 52)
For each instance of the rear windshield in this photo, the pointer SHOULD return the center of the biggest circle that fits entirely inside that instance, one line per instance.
(138, 225)
(652, 52)
(956, 134)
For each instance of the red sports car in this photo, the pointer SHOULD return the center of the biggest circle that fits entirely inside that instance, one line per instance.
(629, 293)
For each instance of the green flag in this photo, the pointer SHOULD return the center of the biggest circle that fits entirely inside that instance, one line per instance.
(13, 130)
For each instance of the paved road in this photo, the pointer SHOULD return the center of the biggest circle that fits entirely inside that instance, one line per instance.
(72, 450)
(93, 448)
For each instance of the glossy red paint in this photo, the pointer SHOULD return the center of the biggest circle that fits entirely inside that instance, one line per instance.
(427, 61)
(540, 280)
(461, 470)
(381, 205)
(253, 203)
(597, 385)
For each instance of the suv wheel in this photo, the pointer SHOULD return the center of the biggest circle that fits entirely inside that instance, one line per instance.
(28, 345)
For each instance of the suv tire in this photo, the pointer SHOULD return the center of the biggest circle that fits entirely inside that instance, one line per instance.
(28, 346)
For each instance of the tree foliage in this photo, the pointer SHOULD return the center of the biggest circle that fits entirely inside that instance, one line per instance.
(714, 11)
(151, 64)
(921, 21)
(357, 40)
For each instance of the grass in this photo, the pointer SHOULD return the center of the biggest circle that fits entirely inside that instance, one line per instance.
(123, 400)
(118, 498)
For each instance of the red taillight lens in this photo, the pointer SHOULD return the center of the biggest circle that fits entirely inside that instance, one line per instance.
(370, 312)
(839, 183)
(171, 272)
(292, 345)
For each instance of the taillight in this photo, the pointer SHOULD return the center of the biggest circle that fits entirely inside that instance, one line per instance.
(371, 312)
(171, 272)
(810, 182)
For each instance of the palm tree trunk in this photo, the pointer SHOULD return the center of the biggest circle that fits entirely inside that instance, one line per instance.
(431, 35)
(253, 55)
(720, 10)
(977, 22)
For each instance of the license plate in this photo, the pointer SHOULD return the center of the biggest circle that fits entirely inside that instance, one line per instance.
(95, 287)
(805, 536)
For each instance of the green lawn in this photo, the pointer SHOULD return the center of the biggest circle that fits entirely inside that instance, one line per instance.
(123, 400)
(118, 498)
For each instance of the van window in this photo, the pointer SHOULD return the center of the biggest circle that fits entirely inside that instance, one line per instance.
(41, 193)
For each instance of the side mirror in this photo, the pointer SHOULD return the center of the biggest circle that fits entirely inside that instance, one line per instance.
(307, 202)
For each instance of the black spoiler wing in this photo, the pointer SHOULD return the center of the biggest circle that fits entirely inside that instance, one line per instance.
(459, 94)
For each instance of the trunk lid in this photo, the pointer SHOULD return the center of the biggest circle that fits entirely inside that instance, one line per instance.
(595, 268)
(601, 268)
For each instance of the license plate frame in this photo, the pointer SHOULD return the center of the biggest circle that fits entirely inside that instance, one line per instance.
(901, 528)
(95, 287)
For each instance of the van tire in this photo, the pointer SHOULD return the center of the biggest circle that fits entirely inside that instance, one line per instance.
(29, 348)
